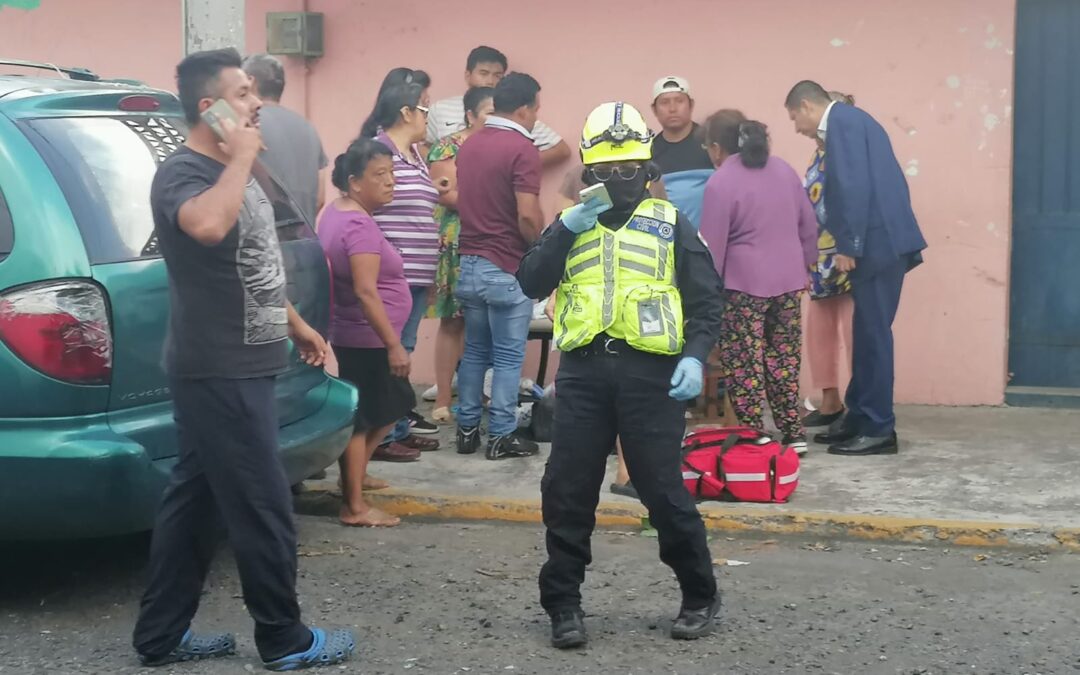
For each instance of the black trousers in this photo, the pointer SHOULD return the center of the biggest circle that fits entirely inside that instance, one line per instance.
(869, 397)
(228, 470)
(598, 397)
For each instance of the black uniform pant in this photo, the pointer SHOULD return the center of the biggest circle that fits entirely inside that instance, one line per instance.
(600, 396)
(228, 467)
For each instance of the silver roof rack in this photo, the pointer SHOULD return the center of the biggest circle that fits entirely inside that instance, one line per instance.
(81, 74)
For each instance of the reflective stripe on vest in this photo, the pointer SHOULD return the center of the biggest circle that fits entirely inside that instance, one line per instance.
(622, 283)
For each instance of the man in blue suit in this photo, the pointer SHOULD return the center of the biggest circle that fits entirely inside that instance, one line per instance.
(868, 211)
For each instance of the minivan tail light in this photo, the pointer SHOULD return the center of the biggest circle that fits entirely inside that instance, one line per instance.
(139, 103)
(61, 329)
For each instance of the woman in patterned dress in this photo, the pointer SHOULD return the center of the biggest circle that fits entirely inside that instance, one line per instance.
(450, 341)
(828, 317)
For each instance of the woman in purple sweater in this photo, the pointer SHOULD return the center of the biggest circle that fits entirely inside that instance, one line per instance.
(762, 231)
(370, 304)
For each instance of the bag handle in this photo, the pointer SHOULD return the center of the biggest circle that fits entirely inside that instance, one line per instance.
(729, 442)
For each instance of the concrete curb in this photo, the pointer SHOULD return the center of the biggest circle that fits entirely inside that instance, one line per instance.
(321, 500)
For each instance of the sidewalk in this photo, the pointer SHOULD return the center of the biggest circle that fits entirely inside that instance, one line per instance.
(967, 476)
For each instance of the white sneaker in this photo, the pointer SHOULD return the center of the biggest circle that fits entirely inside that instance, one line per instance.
(433, 393)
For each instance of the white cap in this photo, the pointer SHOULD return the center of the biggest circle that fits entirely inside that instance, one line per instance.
(670, 84)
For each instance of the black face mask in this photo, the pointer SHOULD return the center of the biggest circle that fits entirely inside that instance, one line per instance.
(625, 195)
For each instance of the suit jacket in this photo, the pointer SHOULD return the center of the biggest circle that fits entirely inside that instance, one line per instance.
(867, 202)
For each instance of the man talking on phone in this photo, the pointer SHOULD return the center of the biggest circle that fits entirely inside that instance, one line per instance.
(637, 311)
(227, 340)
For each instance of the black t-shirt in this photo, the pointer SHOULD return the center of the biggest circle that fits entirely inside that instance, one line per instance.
(686, 155)
(228, 314)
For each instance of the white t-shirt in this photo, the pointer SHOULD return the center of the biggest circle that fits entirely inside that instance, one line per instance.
(448, 117)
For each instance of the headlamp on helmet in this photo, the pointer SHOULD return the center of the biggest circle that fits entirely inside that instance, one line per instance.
(615, 132)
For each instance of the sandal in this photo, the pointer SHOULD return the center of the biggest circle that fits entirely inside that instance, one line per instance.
(625, 490)
(194, 647)
(326, 650)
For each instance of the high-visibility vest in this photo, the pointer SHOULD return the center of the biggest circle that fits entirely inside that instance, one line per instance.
(622, 283)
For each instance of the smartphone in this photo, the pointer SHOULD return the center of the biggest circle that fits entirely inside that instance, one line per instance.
(217, 112)
(598, 192)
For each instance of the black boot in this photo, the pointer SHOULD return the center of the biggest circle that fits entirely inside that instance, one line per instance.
(568, 629)
(694, 623)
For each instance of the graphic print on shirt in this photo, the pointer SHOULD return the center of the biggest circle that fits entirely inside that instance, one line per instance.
(261, 269)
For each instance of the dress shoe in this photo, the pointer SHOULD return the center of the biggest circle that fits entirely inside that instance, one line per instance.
(568, 629)
(820, 419)
(866, 445)
(692, 624)
(422, 444)
(395, 452)
(838, 432)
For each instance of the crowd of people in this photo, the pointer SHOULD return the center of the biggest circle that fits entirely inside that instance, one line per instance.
(668, 246)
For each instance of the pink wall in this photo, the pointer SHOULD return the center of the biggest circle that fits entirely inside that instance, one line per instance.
(937, 75)
(119, 38)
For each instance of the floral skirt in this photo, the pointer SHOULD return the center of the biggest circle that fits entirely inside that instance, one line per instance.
(443, 303)
(761, 349)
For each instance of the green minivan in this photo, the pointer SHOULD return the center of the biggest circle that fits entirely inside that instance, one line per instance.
(86, 428)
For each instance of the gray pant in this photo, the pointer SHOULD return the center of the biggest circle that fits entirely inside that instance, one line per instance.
(228, 466)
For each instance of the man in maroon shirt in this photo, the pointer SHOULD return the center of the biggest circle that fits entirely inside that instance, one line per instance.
(499, 174)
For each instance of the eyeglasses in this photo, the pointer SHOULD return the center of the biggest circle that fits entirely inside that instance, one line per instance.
(423, 109)
(606, 173)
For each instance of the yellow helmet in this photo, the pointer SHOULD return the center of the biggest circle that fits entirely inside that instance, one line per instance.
(615, 132)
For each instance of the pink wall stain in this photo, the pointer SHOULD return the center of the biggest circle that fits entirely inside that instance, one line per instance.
(937, 75)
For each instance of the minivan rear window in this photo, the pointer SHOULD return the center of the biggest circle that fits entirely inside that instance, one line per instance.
(7, 229)
(105, 167)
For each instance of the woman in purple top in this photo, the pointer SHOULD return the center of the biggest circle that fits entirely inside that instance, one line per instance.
(408, 221)
(762, 231)
(371, 302)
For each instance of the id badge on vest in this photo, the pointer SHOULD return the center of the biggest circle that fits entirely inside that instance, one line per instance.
(650, 323)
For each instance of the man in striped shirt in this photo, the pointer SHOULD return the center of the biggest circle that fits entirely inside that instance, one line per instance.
(484, 68)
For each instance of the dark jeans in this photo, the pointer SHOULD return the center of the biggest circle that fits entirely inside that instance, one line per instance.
(403, 427)
(601, 397)
(228, 468)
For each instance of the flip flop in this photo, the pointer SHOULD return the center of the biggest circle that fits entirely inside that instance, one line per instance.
(326, 650)
(625, 490)
(194, 647)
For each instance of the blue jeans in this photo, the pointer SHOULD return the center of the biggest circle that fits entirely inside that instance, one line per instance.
(497, 317)
(408, 341)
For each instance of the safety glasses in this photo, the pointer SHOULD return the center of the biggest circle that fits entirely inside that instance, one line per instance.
(604, 173)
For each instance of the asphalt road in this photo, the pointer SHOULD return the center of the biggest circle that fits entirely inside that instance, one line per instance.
(461, 598)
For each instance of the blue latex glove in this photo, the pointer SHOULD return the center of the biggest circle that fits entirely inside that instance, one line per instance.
(687, 381)
(582, 217)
